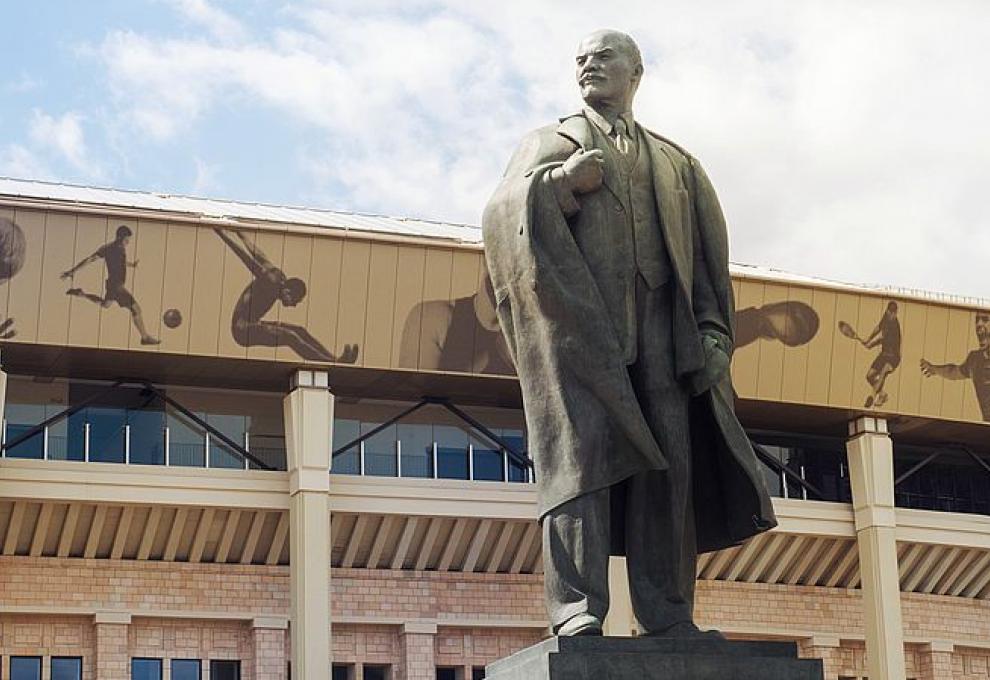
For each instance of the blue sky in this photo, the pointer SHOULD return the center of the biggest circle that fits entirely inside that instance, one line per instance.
(846, 139)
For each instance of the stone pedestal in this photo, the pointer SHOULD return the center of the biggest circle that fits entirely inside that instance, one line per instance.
(644, 658)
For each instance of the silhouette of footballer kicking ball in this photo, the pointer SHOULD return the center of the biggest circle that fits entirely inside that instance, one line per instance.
(271, 285)
(114, 255)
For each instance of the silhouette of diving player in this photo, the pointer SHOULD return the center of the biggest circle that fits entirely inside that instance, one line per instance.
(270, 285)
(114, 256)
(887, 334)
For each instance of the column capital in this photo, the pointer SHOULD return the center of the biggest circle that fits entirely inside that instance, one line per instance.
(943, 646)
(123, 618)
(823, 641)
(308, 413)
(868, 425)
(270, 622)
(314, 379)
(421, 627)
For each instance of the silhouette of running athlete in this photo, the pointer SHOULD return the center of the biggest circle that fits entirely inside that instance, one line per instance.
(114, 255)
(271, 285)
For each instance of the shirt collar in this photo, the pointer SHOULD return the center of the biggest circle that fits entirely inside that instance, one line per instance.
(603, 123)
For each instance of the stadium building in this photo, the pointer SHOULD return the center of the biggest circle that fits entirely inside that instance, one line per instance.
(249, 441)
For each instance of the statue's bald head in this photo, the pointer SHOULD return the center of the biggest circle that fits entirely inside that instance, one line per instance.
(618, 40)
(608, 69)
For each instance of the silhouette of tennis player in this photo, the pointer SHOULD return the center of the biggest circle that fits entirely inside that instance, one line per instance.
(887, 335)
(271, 285)
(114, 256)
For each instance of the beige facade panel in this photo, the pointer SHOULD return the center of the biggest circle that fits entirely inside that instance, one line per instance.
(277, 294)
(380, 315)
(87, 280)
(177, 284)
(22, 296)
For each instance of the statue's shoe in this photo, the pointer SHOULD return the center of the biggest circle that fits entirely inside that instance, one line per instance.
(686, 629)
(580, 624)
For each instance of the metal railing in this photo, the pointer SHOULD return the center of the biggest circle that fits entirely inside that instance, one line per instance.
(509, 454)
(398, 464)
(205, 453)
(239, 451)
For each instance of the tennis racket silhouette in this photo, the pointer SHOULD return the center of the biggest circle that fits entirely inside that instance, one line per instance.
(849, 331)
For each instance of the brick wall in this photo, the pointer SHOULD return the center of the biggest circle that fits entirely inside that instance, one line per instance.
(270, 654)
(49, 636)
(112, 660)
(136, 586)
(158, 594)
(429, 595)
(169, 639)
(481, 646)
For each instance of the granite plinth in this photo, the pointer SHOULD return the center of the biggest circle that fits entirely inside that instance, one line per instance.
(649, 658)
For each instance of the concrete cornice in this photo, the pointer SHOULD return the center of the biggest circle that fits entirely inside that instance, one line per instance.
(115, 483)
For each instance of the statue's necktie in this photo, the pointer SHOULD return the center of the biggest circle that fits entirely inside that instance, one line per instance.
(621, 136)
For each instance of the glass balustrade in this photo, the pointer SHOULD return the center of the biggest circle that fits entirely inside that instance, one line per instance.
(132, 425)
(431, 443)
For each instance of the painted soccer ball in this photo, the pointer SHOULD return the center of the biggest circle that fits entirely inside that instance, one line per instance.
(12, 246)
(172, 318)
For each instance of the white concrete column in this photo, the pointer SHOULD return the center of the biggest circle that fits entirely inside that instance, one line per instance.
(871, 472)
(620, 620)
(308, 434)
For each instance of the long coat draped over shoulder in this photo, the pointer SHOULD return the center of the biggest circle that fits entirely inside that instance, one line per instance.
(576, 389)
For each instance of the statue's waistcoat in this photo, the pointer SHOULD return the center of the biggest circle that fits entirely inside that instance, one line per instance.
(632, 241)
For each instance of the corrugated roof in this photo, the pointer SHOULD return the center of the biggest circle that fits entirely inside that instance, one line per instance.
(234, 210)
(193, 207)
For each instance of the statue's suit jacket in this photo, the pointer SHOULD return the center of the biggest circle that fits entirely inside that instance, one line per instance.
(573, 375)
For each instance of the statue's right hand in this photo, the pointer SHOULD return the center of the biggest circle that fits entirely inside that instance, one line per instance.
(583, 171)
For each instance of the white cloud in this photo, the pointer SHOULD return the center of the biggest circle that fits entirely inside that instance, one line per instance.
(206, 178)
(22, 163)
(218, 22)
(63, 134)
(24, 82)
(846, 139)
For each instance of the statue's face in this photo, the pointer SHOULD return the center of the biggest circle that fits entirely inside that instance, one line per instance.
(605, 70)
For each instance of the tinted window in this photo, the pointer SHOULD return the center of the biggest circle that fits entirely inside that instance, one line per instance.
(446, 674)
(221, 454)
(225, 670)
(375, 673)
(345, 431)
(25, 668)
(32, 447)
(487, 463)
(417, 449)
(186, 669)
(379, 451)
(952, 482)
(478, 673)
(341, 672)
(146, 669)
(66, 668)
